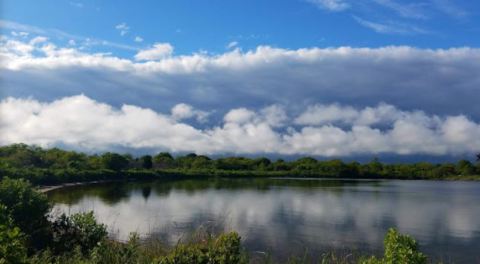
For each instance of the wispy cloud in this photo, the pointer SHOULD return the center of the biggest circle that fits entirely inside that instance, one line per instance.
(76, 4)
(20, 34)
(56, 33)
(450, 9)
(138, 39)
(412, 10)
(331, 5)
(123, 28)
(391, 27)
(232, 45)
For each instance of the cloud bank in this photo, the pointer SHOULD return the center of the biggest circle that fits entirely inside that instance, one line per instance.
(443, 81)
(323, 130)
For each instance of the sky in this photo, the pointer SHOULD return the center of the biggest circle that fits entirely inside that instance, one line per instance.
(326, 78)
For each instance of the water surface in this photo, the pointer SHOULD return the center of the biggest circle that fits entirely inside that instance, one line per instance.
(288, 216)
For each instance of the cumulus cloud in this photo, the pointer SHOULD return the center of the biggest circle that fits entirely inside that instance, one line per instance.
(157, 52)
(185, 111)
(88, 124)
(334, 114)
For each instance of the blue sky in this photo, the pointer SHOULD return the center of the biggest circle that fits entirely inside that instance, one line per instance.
(328, 78)
(210, 26)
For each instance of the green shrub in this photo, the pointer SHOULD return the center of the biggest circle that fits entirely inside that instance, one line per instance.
(226, 249)
(399, 249)
(12, 248)
(78, 230)
(114, 252)
(402, 249)
(28, 210)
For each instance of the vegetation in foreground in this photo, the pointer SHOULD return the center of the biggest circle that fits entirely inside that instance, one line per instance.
(28, 235)
(55, 166)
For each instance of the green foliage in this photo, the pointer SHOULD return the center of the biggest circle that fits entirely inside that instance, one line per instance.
(226, 249)
(113, 252)
(54, 166)
(399, 249)
(147, 162)
(163, 161)
(12, 247)
(78, 230)
(402, 249)
(114, 161)
(28, 210)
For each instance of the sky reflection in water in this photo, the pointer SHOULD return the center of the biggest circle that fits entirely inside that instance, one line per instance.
(285, 217)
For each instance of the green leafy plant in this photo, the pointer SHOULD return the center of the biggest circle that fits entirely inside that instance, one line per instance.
(399, 249)
(12, 248)
(78, 230)
(28, 210)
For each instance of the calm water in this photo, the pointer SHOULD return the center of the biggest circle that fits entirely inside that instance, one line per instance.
(286, 216)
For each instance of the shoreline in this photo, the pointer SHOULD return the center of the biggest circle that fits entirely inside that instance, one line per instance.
(49, 188)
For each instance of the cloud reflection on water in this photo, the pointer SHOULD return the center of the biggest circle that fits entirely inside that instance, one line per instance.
(285, 219)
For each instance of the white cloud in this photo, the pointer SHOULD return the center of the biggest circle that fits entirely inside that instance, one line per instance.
(239, 116)
(232, 44)
(390, 27)
(58, 34)
(37, 40)
(138, 39)
(331, 5)
(411, 10)
(448, 7)
(157, 52)
(185, 111)
(88, 124)
(76, 4)
(337, 114)
(123, 28)
(438, 81)
(19, 34)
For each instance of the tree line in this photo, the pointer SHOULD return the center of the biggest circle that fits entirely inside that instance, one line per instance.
(55, 165)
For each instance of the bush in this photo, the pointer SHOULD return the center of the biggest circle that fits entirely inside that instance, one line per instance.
(226, 249)
(78, 230)
(399, 249)
(28, 210)
(114, 252)
(12, 248)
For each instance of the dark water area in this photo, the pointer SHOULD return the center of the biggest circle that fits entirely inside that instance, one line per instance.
(285, 217)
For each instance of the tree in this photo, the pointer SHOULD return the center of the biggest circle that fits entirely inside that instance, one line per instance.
(465, 167)
(163, 160)
(147, 162)
(114, 161)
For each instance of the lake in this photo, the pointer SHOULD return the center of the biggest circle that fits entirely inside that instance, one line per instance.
(284, 217)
